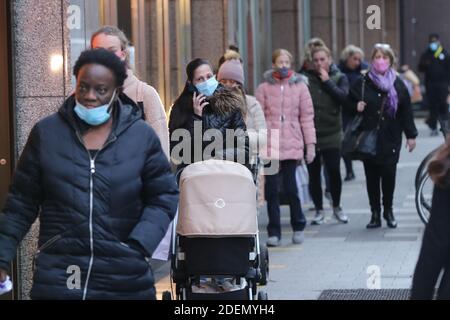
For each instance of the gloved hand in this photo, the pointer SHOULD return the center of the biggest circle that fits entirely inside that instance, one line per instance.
(310, 153)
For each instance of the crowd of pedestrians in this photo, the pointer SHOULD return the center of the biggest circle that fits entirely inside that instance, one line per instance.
(97, 173)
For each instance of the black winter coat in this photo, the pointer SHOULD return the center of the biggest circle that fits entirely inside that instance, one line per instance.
(391, 129)
(223, 112)
(328, 98)
(103, 216)
(353, 75)
(437, 70)
(435, 252)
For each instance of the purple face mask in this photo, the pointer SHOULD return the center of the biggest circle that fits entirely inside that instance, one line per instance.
(381, 65)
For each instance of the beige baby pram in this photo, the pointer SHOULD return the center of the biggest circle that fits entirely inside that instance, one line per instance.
(215, 248)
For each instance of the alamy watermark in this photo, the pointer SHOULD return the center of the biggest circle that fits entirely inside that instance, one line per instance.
(373, 22)
(374, 279)
(73, 17)
(74, 280)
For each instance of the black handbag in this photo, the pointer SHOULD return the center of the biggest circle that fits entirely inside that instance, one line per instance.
(359, 144)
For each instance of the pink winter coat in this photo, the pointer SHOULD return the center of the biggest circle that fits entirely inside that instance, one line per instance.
(288, 107)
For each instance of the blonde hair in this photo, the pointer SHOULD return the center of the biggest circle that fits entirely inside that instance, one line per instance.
(350, 51)
(312, 44)
(386, 50)
(231, 54)
(318, 49)
(315, 42)
(114, 31)
(279, 52)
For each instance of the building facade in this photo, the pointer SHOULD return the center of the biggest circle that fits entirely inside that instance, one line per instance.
(418, 20)
(167, 34)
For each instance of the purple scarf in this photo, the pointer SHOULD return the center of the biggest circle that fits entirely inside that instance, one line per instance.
(386, 84)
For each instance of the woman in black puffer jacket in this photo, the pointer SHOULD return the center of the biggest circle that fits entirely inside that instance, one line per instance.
(204, 112)
(96, 174)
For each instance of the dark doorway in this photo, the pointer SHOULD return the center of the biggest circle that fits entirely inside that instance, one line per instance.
(419, 19)
(6, 139)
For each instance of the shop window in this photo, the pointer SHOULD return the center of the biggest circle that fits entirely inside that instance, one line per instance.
(159, 34)
(249, 23)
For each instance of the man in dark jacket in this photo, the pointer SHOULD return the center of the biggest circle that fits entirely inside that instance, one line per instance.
(102, 186)
(435, 63)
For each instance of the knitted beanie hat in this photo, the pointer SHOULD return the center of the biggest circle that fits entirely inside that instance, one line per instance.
(231, 70)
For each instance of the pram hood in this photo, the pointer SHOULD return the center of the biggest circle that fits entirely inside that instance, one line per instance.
(217, 199)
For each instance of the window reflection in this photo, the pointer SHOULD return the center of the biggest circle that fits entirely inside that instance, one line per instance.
(159, 34)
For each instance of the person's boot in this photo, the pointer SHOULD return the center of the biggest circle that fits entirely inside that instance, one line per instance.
(388, 215)
(375, 220)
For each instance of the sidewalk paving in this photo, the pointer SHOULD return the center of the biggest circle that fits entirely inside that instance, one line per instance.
(343, 256)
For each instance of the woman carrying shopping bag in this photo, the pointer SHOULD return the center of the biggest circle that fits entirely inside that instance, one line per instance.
(287, 105)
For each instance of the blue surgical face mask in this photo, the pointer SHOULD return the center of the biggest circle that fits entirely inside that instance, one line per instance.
(434, 46)
(208, 87)
(284, 72)
(94, 116)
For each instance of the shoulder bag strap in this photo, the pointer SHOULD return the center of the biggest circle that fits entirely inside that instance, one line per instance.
(383, 104)
(140, 92)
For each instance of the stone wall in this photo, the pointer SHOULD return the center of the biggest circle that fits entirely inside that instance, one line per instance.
(39, 35)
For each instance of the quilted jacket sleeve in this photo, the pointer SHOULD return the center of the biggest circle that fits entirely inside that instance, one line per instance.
(23, 200)
(160, 196)
(306, 116)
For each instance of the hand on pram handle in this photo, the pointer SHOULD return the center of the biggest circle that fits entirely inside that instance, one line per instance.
(255, 167)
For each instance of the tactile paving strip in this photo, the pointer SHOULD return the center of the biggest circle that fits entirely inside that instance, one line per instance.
(365, 294)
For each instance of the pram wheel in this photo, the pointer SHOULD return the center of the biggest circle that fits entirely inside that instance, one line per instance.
(263, 264)
(166, 295)
(262, 295)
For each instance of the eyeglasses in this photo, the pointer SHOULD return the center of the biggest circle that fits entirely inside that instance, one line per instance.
(382, 46)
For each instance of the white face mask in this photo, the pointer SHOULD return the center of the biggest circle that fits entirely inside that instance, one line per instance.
(94, 116)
